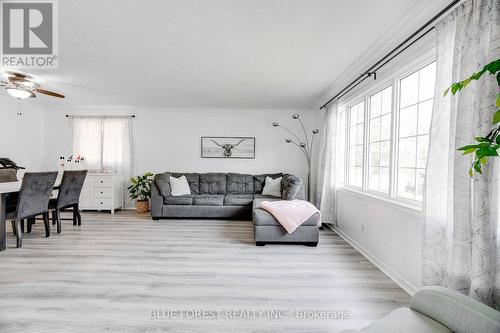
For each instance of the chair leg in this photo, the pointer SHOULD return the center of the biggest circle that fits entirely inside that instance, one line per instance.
(54, 220)
(31, 221)
(74, 216)
(22, 226)
(46, 223)
(13, 223)
(78, 214)
(19, 233)
(57, 214)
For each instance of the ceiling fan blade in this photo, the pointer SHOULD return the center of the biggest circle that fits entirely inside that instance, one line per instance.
(23, 82)
(48, 92)
(19, 74)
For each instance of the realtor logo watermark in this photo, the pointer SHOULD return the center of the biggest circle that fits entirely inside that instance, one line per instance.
(29, 34)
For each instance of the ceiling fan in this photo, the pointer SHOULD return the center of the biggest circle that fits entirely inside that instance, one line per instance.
(21, 86)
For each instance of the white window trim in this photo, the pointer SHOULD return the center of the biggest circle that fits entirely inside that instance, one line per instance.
(353, 103)
(392, 79)
(340, 178)
(368, 111)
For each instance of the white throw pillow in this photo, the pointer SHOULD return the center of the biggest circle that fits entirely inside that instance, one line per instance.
(179, 186)
(272, 187)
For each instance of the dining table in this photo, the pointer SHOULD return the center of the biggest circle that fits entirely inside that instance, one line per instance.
(6, 189)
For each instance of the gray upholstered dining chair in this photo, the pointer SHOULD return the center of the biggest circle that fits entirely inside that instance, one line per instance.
(33, 200)
(68, 197)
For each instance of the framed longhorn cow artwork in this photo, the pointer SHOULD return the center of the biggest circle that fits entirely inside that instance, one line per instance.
(227, 147)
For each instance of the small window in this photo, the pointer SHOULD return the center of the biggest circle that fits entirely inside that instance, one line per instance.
(356, 144)
(415, 112)
(379, 163)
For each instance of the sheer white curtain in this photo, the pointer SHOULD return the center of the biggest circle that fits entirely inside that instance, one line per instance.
(106, 143)
(86, 140)
(461, 213)
(326, 192)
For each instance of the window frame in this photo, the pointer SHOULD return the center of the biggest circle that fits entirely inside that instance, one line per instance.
(341, 177)
(381, 88)
(393, 80)
(353, 103)
(396, 133)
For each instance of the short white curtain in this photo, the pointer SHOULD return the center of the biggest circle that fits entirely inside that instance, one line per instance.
(326, 191)
(106, 143)
(461, 213)
(86, 140)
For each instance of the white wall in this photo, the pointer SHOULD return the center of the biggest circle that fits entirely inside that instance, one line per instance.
(22, 135)
(388, 235)
(169, 139)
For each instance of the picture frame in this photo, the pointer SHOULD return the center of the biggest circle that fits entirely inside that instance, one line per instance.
(237, 147)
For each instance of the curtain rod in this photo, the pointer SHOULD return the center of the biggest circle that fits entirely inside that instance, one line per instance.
(372, 71)
(108, 116)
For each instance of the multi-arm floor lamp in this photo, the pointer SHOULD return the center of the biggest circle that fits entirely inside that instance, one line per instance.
(305, 145)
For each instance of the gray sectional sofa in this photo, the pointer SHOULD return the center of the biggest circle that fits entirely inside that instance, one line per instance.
(232, 195)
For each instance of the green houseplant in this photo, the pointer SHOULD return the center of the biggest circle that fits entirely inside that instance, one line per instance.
(140, 190)
(487, 146)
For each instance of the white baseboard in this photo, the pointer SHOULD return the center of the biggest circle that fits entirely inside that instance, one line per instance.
(394, 276)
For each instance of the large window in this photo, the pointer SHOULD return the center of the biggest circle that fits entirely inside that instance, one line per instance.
(415, 111)
(390, 160)
(356, 143)
(379, 163)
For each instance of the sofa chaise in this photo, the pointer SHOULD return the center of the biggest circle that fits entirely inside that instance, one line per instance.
(232, 196)
(438, 310)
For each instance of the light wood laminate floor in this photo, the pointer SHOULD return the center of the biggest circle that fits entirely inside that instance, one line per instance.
(107, 276)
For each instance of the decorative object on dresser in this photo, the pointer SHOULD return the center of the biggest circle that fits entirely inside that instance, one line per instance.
(72, 163)
(140, 190)
(227, 147)
(304, 144)
(102, 191)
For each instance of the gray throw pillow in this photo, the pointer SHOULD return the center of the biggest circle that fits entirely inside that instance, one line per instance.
(291, 187)
(162, 180)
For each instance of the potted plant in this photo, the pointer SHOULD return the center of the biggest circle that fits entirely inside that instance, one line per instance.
(140, 190)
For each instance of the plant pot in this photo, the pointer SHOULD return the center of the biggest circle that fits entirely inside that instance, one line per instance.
(142, 206)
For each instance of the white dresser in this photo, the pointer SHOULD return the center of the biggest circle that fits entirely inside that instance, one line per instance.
(102, 191)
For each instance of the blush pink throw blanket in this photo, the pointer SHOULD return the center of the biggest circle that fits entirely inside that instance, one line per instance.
(291, 214)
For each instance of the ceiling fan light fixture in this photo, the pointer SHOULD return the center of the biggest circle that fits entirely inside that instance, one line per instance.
(20, 93)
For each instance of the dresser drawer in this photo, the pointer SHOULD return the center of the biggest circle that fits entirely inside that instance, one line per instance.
(103, 181)
(102, 203)
(102, 192)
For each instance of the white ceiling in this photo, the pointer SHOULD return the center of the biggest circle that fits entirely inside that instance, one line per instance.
(219, 53)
